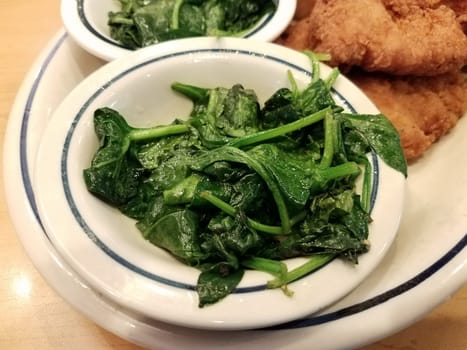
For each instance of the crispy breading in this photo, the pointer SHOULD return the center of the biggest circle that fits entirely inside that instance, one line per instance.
(460, 8)
(421, 108)
(401, 37)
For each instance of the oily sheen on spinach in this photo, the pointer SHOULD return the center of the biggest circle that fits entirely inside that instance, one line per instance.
(140, 23)
(239, 186)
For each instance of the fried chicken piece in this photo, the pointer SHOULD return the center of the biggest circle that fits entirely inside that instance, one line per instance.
(401, 37)
(422, 109)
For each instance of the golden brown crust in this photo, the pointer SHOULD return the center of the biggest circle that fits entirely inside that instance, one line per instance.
(401, 37)
(460, 9)
(422, 109)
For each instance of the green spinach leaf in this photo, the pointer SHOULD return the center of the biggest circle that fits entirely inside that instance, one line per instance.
(216, 283)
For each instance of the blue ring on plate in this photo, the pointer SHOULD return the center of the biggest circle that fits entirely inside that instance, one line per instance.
(91, 233)
(305, 322)
(24, 133)
(84, 20)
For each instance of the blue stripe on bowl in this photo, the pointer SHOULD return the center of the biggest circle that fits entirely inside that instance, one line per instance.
(305, 322)
(260, 26)
(84, 20)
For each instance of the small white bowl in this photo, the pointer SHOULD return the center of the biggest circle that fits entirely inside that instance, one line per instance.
(104, 246)
(86, 22)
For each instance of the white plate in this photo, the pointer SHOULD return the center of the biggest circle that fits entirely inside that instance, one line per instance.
(424, 267)
(86, 22)
(106, 248)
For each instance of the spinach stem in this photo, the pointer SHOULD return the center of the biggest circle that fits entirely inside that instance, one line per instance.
(194, 93)
(315, 69)
(330, 129)
(297, 218)
(127, 6)
(314, 262)
(280, 130)
(339, 171)
(122, 20)
(273, 267)
(293, 85)
(142, 134)
(176, 14)
(317, 56)
(332, 78)
(229, 210)
(366, 186)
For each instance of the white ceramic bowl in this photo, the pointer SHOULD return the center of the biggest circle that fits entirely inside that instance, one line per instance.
(86, 22)
(106, 249)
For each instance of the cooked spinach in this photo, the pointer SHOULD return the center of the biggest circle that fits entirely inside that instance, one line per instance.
(140, 23)
(240, 186)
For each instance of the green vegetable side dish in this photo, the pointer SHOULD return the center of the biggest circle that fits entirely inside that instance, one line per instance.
(240, 186)
(140, 23)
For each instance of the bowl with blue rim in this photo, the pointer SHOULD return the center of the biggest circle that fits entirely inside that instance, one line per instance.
(220, 183)
(112, 28)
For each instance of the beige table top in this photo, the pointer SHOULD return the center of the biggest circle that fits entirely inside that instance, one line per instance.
(39, 319)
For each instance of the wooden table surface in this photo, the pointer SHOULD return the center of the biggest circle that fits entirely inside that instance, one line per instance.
(32, 315)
